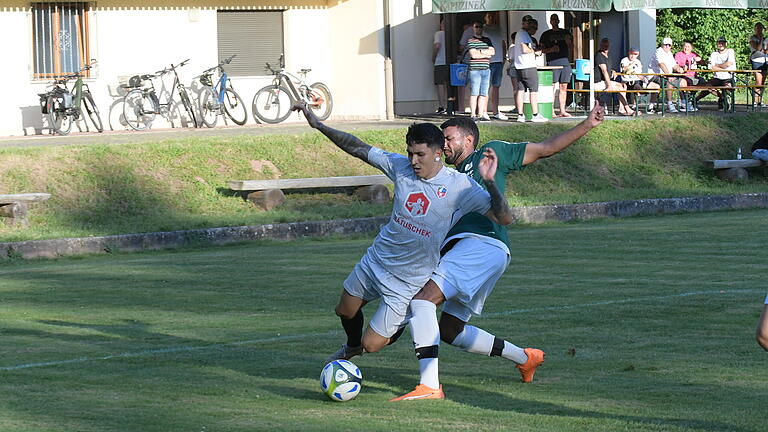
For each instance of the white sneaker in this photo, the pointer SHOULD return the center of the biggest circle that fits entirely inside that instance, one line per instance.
(671, 107)
(484, 117)
(521, 118)
(538, 118)
(501, 116)
(692, 108)
(651, 109)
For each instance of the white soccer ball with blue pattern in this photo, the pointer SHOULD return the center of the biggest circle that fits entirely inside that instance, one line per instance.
(341, 380)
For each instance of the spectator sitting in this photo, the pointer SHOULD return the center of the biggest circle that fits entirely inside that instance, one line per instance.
(687, 59)
(721, 61)
(759, 59)
(760, 148)
(605, 74)
(663, 62)
(629, 66)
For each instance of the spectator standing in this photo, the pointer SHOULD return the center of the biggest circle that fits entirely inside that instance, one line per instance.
(604, 74)
(759, 59)
(557, 44)
(480, 52)
(493, 32)
(663, 62)
(688, 60)
(720, 61)
(527, 74)
(441, 71)
(512, 70)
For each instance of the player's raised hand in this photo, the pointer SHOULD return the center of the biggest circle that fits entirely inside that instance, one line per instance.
(596, 116)
(488, 164)
(312, 119)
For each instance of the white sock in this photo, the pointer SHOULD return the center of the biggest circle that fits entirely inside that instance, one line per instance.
(426, 339)
(479, 341)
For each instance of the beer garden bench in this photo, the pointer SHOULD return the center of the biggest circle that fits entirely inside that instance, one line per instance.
(268, 194)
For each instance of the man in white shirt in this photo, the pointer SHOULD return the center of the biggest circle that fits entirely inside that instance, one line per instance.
(722, 60)
(527, 74)
(441, 72)
(492, 31)
(663, 62)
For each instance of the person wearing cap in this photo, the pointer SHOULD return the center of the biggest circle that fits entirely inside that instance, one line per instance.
(721, 61)
(687, 59)
(557, 44)
(663, 63)
(630, 66)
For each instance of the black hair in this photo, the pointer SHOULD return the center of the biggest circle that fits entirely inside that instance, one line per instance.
(465, 125)
(425, 133)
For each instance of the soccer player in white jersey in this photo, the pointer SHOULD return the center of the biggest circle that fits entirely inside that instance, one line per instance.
(475, 255)
(762, 327)
(429, 198)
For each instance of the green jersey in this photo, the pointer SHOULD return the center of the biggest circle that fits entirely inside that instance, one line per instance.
(510, 157)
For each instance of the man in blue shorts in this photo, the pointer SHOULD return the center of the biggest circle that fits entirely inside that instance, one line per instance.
(429, 199)
(474, 256)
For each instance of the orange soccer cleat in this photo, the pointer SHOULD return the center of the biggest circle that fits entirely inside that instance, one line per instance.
(421, 392)
(535, 359)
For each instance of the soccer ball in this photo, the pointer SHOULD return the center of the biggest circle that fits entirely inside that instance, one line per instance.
(341, 380)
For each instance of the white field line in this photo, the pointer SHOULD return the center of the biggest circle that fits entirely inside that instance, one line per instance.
(183, 349)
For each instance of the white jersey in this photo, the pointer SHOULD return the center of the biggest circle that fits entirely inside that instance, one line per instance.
(423, 212)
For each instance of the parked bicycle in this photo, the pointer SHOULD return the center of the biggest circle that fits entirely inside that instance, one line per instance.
(215, 100)
(272, 103)
(141, 104)
(65, 106)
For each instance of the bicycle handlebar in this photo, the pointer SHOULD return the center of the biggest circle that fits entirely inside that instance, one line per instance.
(78, 74)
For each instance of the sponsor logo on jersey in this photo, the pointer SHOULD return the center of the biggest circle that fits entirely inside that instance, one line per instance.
(411, 227)
(442, 191)
(417, 204)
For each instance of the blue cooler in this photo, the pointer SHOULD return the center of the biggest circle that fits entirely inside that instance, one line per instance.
(583, 69)
(459, 74)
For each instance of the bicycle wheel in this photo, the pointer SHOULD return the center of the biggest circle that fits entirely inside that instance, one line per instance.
(188, 106)
(321, 100)
(138, 110)
(209, 109)
(58, 119)
(272, 104)
(235, 107)
(89, 106)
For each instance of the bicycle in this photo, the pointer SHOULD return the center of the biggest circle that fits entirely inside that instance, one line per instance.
(272, 103)
(141, 104)
(220, 98)
(64, 106)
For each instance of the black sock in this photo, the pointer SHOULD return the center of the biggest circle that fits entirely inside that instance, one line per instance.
(396, 336)
(354, 329)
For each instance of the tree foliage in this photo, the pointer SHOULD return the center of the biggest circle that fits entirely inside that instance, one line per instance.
(703, 26)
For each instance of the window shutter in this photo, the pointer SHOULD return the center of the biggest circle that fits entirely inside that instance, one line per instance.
(255, 36)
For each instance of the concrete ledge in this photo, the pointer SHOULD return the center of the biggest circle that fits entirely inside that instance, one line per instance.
(286, 231)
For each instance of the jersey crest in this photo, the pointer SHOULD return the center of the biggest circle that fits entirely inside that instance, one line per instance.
(442, 191)
(417, 204)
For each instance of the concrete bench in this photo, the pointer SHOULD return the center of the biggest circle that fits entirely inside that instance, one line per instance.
(16, 206)
(733, 169)
(268, 194)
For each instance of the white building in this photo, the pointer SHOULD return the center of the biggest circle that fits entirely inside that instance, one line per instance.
(342, 41)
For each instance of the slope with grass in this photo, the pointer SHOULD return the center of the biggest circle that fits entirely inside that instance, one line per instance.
(181, 184)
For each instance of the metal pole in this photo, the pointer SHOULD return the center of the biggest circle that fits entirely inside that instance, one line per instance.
(591, 63)
(388, 79)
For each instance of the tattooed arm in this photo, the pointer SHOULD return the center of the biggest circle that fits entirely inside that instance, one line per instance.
(347, 142)
(500, 211)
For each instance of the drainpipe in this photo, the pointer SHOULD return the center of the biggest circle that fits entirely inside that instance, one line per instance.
(388, 80)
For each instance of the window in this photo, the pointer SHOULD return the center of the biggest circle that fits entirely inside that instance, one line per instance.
(255, 36)
(60, 38)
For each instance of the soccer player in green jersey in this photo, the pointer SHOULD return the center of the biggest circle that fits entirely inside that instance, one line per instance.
(474, 256)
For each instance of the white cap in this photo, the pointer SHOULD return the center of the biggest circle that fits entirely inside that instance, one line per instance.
(667, 41)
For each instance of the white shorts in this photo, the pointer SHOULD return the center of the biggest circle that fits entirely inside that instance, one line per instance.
(370, 281)
(467, 274)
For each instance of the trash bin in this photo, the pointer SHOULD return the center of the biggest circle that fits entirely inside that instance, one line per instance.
(583, 69)
(546, 96)
(458, 74)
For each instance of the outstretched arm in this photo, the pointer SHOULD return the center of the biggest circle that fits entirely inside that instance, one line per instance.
(347, 142)
(500, 211)
(536, 151)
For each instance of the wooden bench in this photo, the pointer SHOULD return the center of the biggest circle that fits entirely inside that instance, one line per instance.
(733, 170)
(16, 206)
(268, 194)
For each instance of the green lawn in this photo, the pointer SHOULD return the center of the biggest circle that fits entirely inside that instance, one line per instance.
(648, 325)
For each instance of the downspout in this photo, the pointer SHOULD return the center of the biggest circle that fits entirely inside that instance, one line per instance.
(388, 80)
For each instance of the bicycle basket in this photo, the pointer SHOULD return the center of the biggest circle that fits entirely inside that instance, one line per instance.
(135, 81)
(206, 80)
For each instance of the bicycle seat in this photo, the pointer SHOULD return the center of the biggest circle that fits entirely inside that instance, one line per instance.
(305, 71)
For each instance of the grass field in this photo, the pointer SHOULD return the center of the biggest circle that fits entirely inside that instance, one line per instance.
(648, 324)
